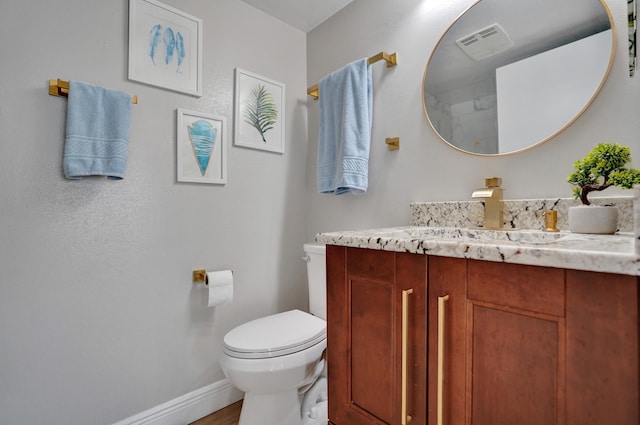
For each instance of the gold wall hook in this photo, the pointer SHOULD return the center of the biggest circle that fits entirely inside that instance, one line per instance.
(393, 143)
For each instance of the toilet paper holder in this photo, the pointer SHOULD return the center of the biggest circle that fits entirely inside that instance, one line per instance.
(200, 276)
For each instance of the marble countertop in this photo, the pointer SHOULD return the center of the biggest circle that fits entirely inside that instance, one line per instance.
(599, 253)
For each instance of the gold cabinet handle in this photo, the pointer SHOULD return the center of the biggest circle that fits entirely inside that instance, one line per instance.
(405, 419)
(441, 328)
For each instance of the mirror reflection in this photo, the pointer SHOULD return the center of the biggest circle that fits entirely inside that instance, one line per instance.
(509, 74)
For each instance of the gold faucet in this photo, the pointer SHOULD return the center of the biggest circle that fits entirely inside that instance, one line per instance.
(492, 195)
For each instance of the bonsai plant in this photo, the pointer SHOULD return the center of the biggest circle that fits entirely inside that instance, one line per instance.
(603, 167)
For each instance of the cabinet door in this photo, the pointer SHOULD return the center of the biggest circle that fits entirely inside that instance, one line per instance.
(446, 348)
(496, 343)
(515, 344)
(411, 279)
(603, 385)
(365, 307)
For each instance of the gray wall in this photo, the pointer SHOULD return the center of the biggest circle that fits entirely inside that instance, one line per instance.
(425, 168)
(99, 319)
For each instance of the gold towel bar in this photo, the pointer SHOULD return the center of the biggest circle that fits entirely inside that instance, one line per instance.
(390, 59)
(313, 91)
(61, 88)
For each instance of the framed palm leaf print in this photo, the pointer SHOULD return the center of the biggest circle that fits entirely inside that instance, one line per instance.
(259, 112)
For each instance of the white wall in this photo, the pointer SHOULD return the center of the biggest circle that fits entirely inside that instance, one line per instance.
(99, 319)
(425, 169)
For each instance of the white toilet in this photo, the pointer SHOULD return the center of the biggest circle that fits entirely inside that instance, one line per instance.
(278, 359)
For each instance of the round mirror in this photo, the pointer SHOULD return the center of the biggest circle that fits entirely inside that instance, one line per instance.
(510, 74)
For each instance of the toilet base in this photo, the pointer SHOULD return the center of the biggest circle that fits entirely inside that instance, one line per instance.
(271, 409)
(322, 411)
(314, 403)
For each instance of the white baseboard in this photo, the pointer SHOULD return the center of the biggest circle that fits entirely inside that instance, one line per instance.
(189, 407)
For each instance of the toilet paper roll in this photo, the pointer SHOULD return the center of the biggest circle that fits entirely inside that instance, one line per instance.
(220, 287)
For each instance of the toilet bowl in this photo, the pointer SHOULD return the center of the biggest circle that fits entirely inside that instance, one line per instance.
(276, 359)
(270, 359)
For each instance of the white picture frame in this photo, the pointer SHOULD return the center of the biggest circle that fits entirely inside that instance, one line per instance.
(201, 142)
(165, 47)
(253, 94)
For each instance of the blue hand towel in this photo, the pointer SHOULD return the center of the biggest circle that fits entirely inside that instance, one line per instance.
(97, 136)
(344, 139)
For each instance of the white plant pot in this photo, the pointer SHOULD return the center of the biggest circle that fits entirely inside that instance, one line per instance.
(593, 219)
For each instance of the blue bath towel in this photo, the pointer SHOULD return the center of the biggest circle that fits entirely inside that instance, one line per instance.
(97, 136)
(344, 139)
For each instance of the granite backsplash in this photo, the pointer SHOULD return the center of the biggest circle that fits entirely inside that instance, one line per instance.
(522, 213)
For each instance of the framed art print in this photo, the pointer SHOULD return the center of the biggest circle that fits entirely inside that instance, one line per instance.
(201, 148)
(165, 47)
(259, 112)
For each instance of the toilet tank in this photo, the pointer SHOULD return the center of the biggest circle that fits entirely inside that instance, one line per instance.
(317, 279)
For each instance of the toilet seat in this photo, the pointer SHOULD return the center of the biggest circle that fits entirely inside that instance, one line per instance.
(276, 335)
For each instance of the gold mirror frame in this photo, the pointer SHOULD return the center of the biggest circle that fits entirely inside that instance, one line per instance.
(545, 139)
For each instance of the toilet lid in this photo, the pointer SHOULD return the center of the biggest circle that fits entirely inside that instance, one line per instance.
(276, 335)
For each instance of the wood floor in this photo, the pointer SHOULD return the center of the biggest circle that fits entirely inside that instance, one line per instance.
(227, 416)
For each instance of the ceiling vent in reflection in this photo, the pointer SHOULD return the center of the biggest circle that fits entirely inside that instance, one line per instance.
(485, 42)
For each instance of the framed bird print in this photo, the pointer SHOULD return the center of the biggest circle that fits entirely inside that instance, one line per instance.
(259, 112)
(201, 148)
(165, 47)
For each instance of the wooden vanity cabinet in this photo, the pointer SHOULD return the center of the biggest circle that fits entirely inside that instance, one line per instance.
(370, 294)
(515, 344)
